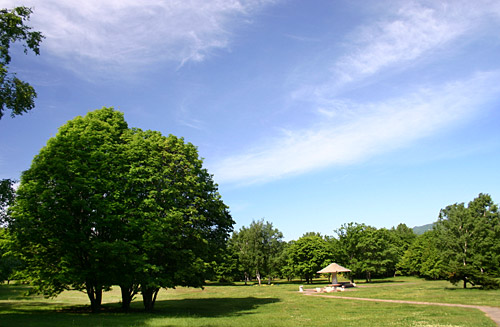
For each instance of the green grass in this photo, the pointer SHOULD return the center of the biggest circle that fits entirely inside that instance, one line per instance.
(278, 305)
(414, 289)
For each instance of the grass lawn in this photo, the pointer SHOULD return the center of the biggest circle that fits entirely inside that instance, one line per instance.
(278, 305)
(414, 289)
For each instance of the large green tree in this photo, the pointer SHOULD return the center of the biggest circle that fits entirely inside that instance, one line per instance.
(103, 204)
(176, 218)
(368, 251)
(378, 253)
(15, 94)
(67, 213)
(259, 248)
(349, 236)
(468, 239)
(423, 257)
(309, 254)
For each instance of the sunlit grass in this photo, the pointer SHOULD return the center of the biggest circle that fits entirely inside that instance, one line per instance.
(239, 305)
(415, 289)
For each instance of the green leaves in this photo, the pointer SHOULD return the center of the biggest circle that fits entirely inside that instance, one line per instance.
(370, 251)
(468, 239)
(309, 254)
(15, 94)
(259, 248)
(103, 204)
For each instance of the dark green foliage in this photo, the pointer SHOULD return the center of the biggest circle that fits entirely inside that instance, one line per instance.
(15, 94)
(7, 195)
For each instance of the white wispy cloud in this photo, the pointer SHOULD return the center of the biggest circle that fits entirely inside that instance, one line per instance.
(351, 131)
(415, 30)
(370, 129)
(125, 34)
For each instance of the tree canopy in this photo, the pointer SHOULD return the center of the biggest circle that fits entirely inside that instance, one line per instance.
(259, 248)
(369, 251)
(103, 204)
(309, 254)
(15, 94)
(468, 240)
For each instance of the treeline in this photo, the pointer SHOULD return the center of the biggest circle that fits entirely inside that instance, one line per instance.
(463, 247)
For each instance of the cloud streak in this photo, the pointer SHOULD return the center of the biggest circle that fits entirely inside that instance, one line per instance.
(371, 129)
(416, 30)
(351, 131)
(127, 34)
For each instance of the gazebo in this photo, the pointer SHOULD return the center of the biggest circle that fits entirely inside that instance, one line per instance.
(333, 269)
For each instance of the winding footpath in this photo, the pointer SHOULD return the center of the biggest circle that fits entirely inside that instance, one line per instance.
(492, 312)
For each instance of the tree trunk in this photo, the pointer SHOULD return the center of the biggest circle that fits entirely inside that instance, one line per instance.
(465, 282)
(149, 298)
(258, 276)
(95, 296)
(246, 278)
(128, 293)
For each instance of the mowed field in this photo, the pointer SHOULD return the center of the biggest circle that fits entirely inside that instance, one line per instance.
(278, 305)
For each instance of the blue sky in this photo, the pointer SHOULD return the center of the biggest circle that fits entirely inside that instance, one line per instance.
(310, 114)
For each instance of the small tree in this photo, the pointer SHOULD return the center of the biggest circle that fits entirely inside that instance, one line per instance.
(259, 247)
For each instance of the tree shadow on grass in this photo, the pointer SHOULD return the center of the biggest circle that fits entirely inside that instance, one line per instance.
(211, 307)
(47, 314)
(458, 288)
(13, 292)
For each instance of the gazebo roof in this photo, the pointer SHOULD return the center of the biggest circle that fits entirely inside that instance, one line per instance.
(333, 268)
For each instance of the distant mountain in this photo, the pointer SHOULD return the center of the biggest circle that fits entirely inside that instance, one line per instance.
(422, 229)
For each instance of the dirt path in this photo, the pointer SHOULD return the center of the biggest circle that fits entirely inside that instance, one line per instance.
(492, 312)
